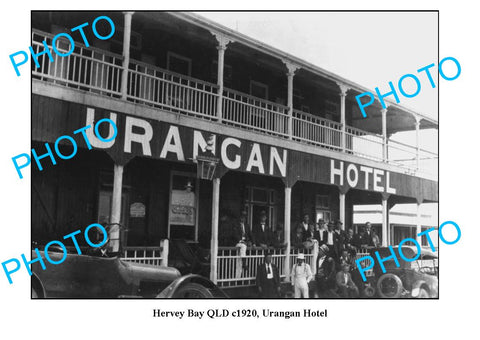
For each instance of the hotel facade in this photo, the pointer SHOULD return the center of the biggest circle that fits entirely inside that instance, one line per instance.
(283, 137)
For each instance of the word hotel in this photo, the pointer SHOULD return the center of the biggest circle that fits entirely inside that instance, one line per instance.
(184, 127)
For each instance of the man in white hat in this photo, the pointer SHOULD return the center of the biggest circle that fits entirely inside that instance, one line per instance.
(301, 275)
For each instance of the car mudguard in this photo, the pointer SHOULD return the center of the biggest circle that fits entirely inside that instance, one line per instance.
(169, 292)
(37, 286)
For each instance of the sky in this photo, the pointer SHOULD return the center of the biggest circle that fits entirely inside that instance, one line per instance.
(369, 48)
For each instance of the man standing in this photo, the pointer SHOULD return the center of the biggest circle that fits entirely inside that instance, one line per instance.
(319, 233)
(306, 227)
(330, 239)
(367, 237)
(262, 233)
(268, 279)
(242, 239)
(345, 284)
(340, 233)
(301, 275)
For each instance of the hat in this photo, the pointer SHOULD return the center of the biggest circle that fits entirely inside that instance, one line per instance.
(301, 256)
(324, 248)
(331, 224)
(339, 222)
(321, 220)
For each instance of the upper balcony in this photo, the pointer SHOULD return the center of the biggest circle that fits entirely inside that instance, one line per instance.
(293, 114)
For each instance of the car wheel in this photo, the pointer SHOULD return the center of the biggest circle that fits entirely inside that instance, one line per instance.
(423, 294)
(389, 286)
(192, 291)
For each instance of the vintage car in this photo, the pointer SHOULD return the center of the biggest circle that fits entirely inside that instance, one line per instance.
(93, 276)
(415, 279)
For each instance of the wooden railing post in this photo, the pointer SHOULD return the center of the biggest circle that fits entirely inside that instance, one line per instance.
(164, 255)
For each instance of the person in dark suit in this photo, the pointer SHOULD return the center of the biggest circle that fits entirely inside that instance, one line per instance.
(325, 276)
(350, 242)
(345, 283)
(345, 258)
(297, 239)
(262, 234)
(330, 239)
(306, 228)
(225, 228)
(319, 232)
(241, 230)
(341, 235)
(242, 238)
(367, 236)
(268, 278)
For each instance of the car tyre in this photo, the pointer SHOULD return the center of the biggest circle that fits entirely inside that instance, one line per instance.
(193, 291)
(423, 294)
(393, 283)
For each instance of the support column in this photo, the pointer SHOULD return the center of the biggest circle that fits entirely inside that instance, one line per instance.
(116, 211)
(417, 142)
(387, 141)
(384, 135)
(126, 52)
(385, 226)
(291, 69)
(343, 122)
(223, 41)
(214, 240)
(419, 224)
(342, 196)
(287, 233)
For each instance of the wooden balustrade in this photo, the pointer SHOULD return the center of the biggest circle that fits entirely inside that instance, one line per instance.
(98, 71)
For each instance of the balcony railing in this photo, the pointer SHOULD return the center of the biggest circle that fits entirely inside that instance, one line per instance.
(315, 130)
(89, 69)
(254, 113)
(94, 70)
(364, 144)
(157, 87)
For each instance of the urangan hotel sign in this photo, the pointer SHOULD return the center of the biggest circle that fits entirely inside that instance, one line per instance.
(145, 137)
(148, 138)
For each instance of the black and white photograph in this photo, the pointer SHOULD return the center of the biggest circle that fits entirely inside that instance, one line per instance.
(239, 168)
(221, 166)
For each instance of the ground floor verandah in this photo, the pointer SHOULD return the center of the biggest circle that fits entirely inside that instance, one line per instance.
(159, 212)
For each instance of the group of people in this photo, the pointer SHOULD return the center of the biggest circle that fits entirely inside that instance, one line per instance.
(333, 235)
(337, 249)
(335, 274)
